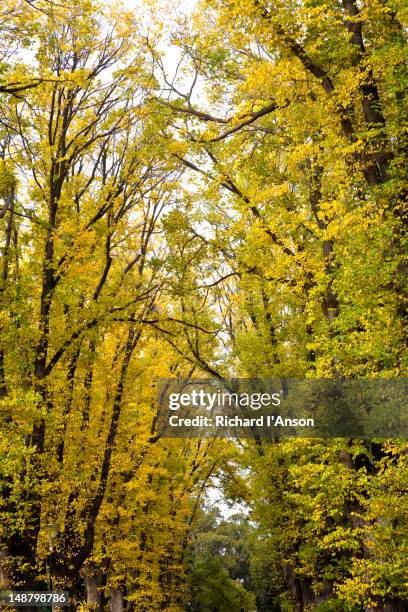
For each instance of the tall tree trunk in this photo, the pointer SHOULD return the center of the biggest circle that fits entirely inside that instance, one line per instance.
(117, 602)
(94, 582)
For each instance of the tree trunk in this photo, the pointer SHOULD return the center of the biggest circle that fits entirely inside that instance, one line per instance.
(94, 588)
(117, 603)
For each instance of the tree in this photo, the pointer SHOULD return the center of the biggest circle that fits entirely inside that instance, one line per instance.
(84, 281)
(245, 216)
(291, 123)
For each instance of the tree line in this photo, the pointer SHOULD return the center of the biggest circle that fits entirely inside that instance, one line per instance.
(213, 192)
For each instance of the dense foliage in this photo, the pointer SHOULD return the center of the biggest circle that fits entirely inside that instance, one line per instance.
(219, 190)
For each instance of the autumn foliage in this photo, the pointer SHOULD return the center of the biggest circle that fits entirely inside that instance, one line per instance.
(202, 191)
